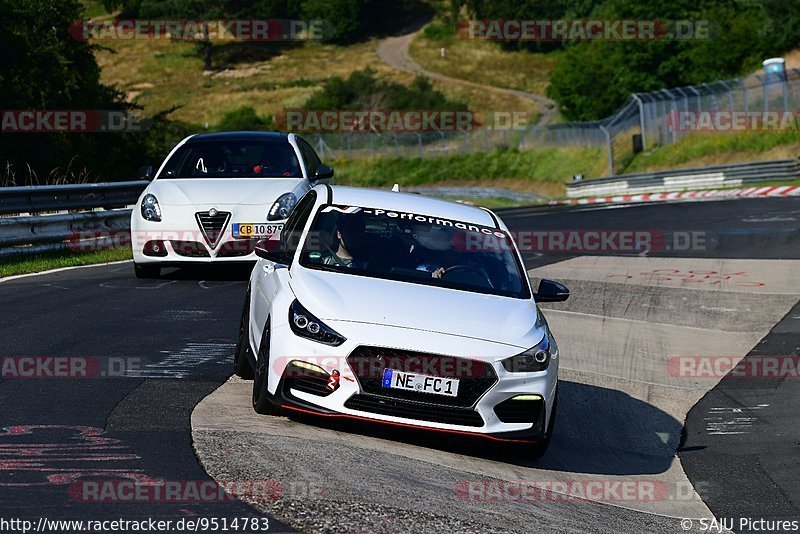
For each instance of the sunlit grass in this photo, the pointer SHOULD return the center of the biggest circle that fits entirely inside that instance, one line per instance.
(23, 264)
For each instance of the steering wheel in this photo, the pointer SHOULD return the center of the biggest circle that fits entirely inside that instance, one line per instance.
(480, 273)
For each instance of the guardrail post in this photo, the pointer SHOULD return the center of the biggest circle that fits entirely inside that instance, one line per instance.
(610, 151)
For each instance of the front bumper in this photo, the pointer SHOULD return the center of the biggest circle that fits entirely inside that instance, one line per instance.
(496, 413)
(156, 243)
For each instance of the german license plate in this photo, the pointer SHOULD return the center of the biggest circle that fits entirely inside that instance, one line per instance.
(436, 385)
(256, 229)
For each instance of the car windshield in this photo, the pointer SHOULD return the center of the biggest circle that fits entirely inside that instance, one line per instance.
(415, 248)
(233, 159)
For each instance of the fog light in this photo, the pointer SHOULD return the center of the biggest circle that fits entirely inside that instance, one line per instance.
(527, 398)
(154, 248)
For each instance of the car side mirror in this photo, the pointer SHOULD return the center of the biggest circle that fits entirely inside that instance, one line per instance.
(269, 249)
(323, 171)
(551, 291)
(146, 173)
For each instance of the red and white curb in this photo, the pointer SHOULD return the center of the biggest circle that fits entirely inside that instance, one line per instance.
(750, 192)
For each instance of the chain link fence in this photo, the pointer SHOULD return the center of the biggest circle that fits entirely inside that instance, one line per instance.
(645, 121)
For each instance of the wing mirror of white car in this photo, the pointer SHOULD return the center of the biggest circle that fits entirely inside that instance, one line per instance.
(323, 171)
(145, 173)
(551, 291)
(269, 249)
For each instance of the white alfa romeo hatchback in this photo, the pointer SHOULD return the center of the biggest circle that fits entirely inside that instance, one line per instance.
(403, 310)
(216, 194)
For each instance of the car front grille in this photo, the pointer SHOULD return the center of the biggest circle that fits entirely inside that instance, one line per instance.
(475, 377)
(212, 226)
(414, 410)
(190, 249)
(236, 248)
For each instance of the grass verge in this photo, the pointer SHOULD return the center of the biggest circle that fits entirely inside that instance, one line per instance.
(701, 150)
(542, 170)
(484, 62)
(53, 260)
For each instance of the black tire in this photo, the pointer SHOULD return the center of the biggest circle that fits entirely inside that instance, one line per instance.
(241, 358)
(147, 270)
(540, 448)
(261, 402)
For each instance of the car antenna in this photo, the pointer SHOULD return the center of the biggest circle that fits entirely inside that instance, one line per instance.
(396, 188)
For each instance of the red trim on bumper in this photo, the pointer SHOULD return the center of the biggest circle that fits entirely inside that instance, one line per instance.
(406, 425)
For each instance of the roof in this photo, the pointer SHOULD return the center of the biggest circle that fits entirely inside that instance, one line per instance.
(239, 136)
(411, 203)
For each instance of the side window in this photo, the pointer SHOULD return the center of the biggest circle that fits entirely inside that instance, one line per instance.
(309, 156)
(290, 236)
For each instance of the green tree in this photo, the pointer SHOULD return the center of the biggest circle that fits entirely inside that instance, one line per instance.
(592, 79)
(244, 118)
(43, 68)
(363, 90)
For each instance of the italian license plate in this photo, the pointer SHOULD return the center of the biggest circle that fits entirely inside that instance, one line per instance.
(256, 229)
(436, 385)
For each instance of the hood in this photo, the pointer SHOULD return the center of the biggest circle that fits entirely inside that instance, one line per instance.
(219, 191)
(344, 297)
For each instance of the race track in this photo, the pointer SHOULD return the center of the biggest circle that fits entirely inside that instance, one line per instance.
(621, 412)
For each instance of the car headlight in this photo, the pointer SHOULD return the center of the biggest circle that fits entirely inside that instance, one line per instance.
(304, 324)
(151, 211)
(282, 207)
(534, 359)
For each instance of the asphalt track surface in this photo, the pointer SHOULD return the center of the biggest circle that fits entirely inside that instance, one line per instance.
(176, 336)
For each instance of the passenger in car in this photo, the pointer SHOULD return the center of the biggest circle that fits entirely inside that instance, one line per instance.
(348, 248)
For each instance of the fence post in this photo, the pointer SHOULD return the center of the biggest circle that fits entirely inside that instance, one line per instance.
(610, 151)
(746, 97)
(730, 95)
(321, 146)
(763, 91)
(641, 119)
(785, 86)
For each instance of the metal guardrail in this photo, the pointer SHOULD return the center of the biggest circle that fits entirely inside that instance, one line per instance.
(686, 179)
(34, 199)
(86, 216)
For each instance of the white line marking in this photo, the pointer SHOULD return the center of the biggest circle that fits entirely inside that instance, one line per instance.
(60, 269)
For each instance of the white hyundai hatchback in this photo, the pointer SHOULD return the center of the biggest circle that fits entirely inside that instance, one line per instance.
(216, 194)
(404, 310)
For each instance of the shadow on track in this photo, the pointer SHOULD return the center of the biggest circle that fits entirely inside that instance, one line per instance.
(598, 430)
(218, 273)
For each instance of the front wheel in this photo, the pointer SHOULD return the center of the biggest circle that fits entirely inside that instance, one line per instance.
(540, 448)
(261, 402)
(241, 358)
(147, 270)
